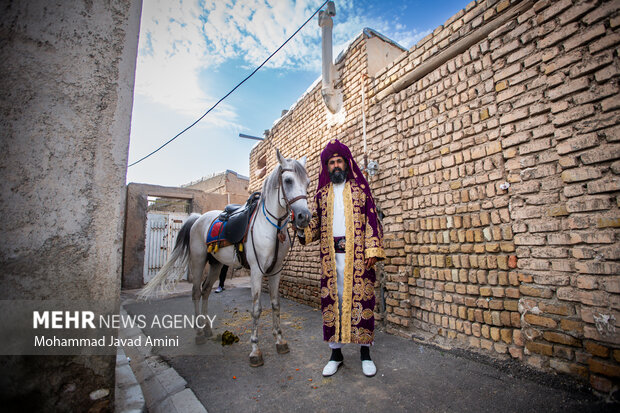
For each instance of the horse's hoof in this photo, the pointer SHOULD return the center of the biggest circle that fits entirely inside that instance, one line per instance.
(282, 348)
(256, 361)
(201, 339)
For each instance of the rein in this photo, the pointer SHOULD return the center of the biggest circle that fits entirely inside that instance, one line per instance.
(279, 226)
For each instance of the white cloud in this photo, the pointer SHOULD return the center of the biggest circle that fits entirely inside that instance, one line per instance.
(253, 29)
(171, 57)
(180, 40)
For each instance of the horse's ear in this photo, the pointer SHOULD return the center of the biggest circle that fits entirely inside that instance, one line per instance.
(280, 157)
(302, 161)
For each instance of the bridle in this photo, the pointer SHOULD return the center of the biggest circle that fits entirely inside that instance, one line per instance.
(281, 221)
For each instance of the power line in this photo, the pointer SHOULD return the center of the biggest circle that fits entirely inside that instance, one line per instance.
(232, 90)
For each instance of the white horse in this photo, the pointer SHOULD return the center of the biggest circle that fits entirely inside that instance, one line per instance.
(284, 194)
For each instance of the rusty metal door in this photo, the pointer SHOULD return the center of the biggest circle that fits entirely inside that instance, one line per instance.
(161, 234)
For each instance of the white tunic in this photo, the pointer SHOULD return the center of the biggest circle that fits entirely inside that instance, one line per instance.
(339, 227)
(340, 230)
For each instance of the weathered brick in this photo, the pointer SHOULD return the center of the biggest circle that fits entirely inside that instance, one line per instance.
(507, 72)
(539, 171)
(515, 139)
(568, 162)
(596, 349)
(584, 36)
(599, 237)
(558, 35)
(601, 154)
(571, 326)
(564, 239)
(514, 115)
(505, 49)
(590, 65)
(566, 89)
(612, 134)
(534, 264)
(532, 122)
(527, 239)
(577, 143)
(595, 93)
(543, 226)
(593, 267)
(601, 12)
(560, 338)
(559, 309)
(601, 384)
(588, 204)
(606, 73)
(535, 146)
(533, 291)
(549, 252)
(573, 115)
(585, 297)
(557, 211)
(552, 11)
(510, 93)
(587, 282)
(610, 104)
(604, 367)
(571, 191)
(604, 185)
(580, 174)
(575, 11)
(539, 348)
(568, 368)
(607, 41)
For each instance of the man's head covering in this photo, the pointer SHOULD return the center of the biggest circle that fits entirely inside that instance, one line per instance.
(337, 148)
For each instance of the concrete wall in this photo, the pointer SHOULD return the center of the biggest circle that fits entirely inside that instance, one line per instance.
(66, 90)
(517, 92)
(135, 222)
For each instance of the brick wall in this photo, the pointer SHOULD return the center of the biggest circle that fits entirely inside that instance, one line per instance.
(227, 182)
(497, 141)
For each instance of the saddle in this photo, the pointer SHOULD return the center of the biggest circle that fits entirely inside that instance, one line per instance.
(231, 226)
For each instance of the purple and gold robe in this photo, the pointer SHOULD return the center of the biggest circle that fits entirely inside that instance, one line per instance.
(364, 239)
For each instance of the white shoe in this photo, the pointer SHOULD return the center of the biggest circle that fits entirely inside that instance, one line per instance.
(331, 368)
(369, 368)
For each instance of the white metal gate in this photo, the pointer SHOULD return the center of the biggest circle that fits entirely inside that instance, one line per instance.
(162, 229)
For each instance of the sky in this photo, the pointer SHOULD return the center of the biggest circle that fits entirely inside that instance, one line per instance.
(192, 52)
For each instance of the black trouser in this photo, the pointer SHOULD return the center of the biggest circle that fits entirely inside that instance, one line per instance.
(223, 272)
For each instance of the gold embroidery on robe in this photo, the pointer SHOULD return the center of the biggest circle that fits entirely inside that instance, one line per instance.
(327, 228)
(349, 260)
(362, 242)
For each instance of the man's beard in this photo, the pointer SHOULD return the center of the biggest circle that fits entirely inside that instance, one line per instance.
(338, 176)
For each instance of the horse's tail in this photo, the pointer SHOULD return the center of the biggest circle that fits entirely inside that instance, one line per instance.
(174, 269)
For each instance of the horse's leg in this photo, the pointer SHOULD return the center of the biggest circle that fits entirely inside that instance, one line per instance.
(274, 285)
(197, 261)
(214, 272)
(256, 357)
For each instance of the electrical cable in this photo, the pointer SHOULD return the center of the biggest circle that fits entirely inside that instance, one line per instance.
(231, 91)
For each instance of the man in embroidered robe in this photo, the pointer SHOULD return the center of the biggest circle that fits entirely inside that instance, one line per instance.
(351, 241)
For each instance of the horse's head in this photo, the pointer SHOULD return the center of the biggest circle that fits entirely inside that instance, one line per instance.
(294, 181)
